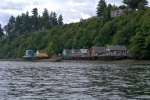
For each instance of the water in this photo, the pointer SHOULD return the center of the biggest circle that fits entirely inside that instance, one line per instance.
(73, 81)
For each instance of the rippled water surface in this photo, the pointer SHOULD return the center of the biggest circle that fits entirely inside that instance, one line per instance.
(73, 81)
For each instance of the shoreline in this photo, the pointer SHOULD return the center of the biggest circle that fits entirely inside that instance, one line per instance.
(128, 62)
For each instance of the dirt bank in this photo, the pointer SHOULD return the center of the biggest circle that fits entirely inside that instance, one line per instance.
(138, 62)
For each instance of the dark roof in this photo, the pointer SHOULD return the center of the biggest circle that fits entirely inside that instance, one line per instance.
(100, 49)
(75, 50)
(117, 47)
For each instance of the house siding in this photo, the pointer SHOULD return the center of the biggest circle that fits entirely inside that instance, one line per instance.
(66, 52)
(97, 51)
(93, 52)
(84, 52)
(41, 53)
(75, 53)
(29, 53)
(116, 50)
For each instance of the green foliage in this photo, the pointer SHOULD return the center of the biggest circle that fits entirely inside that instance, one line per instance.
(140, 43)
(132, 30)
(60, 20)
(55, 46)
(134, 4)
(53, 18)
(1, 32)
(45, 19)
(10, 27)
(101, 8)
(107, 14)
(35, 19)
(69, 44)
(24, 23)
(105, 34)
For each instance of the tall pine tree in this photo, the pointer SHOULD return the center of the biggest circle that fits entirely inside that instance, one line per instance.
(107, 13)
(27, 22)
(35, 20)
(10, 27)
(1, 32)
(18, 25)
(101, 8)
(60, 20)
(45, 19)
(53, 18)
(135, 3)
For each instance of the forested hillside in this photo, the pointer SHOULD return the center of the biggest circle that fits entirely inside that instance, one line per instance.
(131, 29)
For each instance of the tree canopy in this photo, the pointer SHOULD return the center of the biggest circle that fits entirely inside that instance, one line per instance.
(135, 4)
(25, 24)
(101, 8)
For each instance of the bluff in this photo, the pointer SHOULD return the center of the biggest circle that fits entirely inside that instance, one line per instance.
(131, 30)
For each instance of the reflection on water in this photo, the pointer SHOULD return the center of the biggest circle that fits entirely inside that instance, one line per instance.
(73, 81)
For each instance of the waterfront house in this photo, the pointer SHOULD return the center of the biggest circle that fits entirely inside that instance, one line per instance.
(119, 12)
(83, 20)
(41, 53)
(66, 52)
(75, 52)
(29, 53)
(117, 50)
(97, 51)
(85, 52)
(116, 13)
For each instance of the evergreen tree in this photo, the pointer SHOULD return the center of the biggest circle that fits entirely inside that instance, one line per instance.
(122, 7)
(35, 19)
(60, 20)
(23, 24)
(114, 7)
(101, 8)
(1, 32)
(27, 22)
(53, 18)
(107, 13)
(141, 6)
(134, 3)
(48, 25)
(45, 19)
(18, 24)
(10, 27)
(40, 26)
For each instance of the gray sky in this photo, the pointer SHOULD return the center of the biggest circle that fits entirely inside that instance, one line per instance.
(72, 10)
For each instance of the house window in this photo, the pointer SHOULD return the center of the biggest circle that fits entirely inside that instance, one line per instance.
(96, 54)
(125, 53)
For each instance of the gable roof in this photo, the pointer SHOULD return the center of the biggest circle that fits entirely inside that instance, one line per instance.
(42, 51)
(99, 49)
(75, 50)
(29, 53)
(117, 47)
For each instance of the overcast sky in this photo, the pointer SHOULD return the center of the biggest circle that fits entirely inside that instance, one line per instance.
(72, 10)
